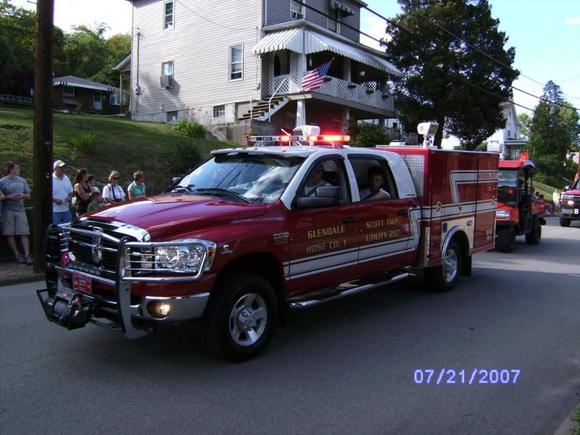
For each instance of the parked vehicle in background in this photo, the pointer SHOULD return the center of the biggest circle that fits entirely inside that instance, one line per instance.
(520, 211)
(258, 229)
(570, 204)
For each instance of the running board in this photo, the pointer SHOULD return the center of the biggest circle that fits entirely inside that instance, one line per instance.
(307, 303)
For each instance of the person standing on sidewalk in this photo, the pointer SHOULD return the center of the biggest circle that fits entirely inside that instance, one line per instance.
(137, 188)
(15, 190)
(62, 192)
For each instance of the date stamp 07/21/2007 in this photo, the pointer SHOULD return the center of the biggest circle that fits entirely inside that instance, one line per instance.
(446, 376)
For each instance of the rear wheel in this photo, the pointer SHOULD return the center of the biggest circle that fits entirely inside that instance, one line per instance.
(506, 239)
(535, 234)
(443, 278)
(240, 321)
(564, 222)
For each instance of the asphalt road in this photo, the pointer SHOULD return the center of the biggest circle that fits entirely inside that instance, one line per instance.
(346, 367)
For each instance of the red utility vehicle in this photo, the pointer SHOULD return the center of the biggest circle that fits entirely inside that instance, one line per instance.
(258, 229)
(519, 210)
(570, 204)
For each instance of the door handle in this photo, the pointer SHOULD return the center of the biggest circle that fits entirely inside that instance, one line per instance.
(402, 212)
(349, 220)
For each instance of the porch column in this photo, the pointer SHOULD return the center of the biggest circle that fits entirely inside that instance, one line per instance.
(301, 104)
(347, 70)
(120, 91)
(300, 112)
(345, 118)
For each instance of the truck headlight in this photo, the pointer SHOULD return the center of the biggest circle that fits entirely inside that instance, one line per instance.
(570, 202)
(502, 214)
(184, 256)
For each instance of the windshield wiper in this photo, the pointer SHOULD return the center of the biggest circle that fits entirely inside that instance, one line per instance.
(221, 192)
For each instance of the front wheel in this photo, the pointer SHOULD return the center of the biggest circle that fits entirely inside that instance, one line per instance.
(535, 234)
(241, 319)
(564, 222)
(506, 239)
(443, 278)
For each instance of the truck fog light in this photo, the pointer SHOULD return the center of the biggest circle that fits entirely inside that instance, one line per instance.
(159, 309)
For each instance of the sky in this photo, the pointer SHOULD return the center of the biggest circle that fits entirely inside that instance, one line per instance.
(545, 34)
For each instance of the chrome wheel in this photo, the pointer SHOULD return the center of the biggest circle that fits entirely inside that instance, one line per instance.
(248, 319)
(450, 265)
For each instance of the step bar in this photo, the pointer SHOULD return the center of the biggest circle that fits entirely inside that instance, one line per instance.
(308, 303)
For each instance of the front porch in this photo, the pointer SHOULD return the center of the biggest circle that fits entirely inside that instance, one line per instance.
(356, 81)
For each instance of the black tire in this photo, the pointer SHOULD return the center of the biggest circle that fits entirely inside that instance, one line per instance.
(564, 222)
(225, 332)
(506, 239)
(437, 279)
(535, 234)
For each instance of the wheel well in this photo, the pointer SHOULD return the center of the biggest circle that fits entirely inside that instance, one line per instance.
(263, 264)
(461, 239)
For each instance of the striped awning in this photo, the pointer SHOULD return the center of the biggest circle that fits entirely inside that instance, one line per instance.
(285, 40)
(344, 9)
(309, 42)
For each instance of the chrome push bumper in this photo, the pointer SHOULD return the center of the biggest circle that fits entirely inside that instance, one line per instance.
(74, 309)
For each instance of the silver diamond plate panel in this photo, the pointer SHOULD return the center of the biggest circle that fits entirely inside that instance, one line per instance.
(416, 164)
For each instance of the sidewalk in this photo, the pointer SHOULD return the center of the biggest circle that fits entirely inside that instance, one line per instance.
(15, 273)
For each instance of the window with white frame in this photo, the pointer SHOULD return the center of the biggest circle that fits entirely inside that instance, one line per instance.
(237, 62)
(171, 116)
(333, 20)
(296, 10)
(167, 69)
(219, 111)
(168, 14)
(68, 91)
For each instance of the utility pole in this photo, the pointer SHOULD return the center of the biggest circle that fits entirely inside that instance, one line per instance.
(42, 157)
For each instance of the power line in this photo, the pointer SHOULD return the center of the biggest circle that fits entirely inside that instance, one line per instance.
(448, 74)
(479, 51)
(211, 21)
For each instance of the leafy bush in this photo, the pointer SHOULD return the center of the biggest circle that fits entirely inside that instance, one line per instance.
(187, 128)
(368, 135)
(84, 143)
(184, 157)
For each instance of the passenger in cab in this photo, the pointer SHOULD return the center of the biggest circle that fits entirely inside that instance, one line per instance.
(376, 181)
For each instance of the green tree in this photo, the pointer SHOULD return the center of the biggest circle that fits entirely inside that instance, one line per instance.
(117, 47)
(369, 135)
(554, 131)
(85, 50)
(442, 78)
(524, 124)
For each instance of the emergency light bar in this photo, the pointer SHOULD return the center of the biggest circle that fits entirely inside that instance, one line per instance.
(335, 140)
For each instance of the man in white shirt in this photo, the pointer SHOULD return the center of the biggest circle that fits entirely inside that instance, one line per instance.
(62, 192)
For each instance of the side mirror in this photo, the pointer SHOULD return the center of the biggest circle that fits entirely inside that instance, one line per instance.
(326, 196)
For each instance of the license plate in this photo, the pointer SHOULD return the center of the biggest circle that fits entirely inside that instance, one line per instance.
(576, 211)
(82, 284)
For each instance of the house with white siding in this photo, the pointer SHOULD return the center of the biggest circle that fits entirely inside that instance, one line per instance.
(238, 64)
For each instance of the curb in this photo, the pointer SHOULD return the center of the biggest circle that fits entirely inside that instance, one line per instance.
(568, 427)
(22, 279)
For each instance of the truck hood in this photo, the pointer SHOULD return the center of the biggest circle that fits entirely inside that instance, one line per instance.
(574, 192)
(169, 216)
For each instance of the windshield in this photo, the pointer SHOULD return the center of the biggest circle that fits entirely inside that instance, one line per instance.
(507, 177)
(255, 178)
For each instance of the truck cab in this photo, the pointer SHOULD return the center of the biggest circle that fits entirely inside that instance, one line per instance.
(519, 210)
(570, 204)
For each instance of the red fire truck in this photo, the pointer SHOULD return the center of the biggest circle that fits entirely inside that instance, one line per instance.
(519, 210)
(256, 230)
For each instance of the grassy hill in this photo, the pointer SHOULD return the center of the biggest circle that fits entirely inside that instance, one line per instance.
(103, 143)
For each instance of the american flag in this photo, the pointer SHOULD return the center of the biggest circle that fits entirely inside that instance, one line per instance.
(314, 79)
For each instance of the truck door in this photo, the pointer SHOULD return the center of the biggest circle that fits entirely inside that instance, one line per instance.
(382, 217)
(323, 245)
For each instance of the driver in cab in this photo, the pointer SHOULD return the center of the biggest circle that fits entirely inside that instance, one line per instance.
(315, 180)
